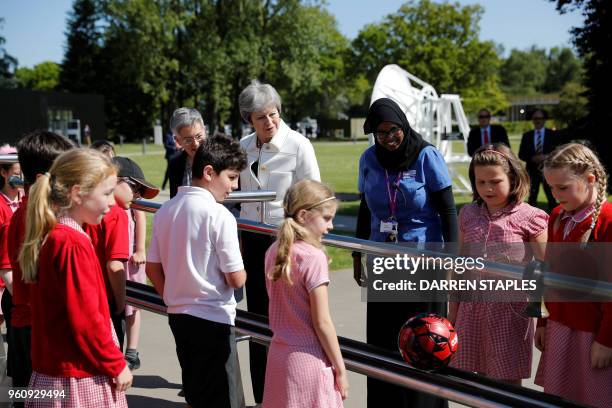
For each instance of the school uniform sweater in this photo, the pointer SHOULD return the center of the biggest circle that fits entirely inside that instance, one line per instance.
(593, 317)
(71, 326)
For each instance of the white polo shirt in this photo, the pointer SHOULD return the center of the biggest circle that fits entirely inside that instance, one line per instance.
(196, 241)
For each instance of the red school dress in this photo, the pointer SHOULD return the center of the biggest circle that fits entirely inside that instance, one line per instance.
(495, 338)
(298, 372)
(73, 343)
(572, 327)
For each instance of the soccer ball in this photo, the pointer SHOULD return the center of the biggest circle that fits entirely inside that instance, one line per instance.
(427, 341)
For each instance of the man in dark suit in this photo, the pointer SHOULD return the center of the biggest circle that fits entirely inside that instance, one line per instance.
(535, 145)
(188, 129)
(486, 133)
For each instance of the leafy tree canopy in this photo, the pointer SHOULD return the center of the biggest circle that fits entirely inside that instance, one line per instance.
(439, 43)
(42, 77)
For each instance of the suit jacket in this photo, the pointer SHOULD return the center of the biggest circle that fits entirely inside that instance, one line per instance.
(176, 169)
(498, 135)
(527, 149)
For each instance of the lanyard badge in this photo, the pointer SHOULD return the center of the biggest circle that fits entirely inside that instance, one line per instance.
(390, 225)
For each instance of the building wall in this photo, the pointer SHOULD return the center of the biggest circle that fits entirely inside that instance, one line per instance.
(22, 111)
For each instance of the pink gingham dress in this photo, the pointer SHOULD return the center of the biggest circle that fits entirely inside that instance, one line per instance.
(87, 392)
(298, 373)
(565, 365)
(495, 339)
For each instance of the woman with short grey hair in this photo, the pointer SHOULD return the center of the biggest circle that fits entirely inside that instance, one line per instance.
(188, 129)
(277, 157)
(257, 97)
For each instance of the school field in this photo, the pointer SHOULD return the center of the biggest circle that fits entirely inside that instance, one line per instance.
(338, 162)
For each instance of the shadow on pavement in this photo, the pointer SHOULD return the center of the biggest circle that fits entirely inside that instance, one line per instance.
(153, 381)
(140, 401)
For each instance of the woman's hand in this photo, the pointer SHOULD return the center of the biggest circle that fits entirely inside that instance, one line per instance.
(342, 383)
(539, 338)
(601, 356)
(357, 271)
(124, 380)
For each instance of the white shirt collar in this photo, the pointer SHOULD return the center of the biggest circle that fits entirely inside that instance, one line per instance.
(207, 195)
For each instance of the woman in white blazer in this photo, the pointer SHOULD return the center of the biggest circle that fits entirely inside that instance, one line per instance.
(277, 157)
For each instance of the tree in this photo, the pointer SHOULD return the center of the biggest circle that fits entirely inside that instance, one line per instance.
(438, 43)
(593, 43)
(43, 77)
(80, 69)
(536, 71)
(8, 64)
(572, 105)
(524, 72)
(157, 55)
(563, 67)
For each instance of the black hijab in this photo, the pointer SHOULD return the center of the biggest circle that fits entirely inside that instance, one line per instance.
(386, 110)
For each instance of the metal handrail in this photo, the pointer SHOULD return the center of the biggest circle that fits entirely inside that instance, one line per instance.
(451, 384)
(601, 289)
(8, 158)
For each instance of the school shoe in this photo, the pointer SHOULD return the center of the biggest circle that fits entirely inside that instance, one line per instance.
(131, 356)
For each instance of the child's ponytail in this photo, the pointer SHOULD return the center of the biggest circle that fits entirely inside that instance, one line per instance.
(40, 220)
(50, 197)
(303, 195)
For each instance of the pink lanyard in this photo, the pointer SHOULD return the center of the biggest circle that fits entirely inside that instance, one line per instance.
(392, 199)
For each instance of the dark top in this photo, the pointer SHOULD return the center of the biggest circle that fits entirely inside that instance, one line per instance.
(176, 170)
(498, 135)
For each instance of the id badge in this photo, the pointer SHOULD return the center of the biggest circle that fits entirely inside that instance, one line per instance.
(389, 226)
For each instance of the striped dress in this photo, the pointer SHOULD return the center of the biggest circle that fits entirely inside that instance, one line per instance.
(298, 372)
(495, 338)
(565, 365)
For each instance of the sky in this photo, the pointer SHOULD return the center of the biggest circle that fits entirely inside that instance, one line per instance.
(34, 29)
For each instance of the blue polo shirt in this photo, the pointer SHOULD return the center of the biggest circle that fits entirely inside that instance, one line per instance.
(418, 221)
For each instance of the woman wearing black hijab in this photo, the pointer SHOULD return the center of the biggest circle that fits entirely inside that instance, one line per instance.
(406, 198)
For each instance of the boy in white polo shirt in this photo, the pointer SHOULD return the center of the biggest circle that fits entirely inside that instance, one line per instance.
(195, 264)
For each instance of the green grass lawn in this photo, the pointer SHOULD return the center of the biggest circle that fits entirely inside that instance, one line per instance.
(338, 161)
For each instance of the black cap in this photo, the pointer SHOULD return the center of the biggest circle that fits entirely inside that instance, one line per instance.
(128, 168)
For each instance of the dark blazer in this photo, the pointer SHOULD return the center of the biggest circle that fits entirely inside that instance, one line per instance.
(176, 169)
(498, 135)
(527, 149)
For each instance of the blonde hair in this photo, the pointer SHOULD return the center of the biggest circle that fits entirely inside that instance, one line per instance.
(303, 195)
(579, 159)
(50, 197)
(500, 155)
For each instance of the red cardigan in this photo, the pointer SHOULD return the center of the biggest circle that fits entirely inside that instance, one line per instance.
(71, 326)
(5, 219)
(594, 317)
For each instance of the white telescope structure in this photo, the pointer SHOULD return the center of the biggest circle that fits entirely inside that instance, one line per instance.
(431, 115)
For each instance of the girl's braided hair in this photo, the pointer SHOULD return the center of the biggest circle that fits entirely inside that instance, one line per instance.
(579, 159)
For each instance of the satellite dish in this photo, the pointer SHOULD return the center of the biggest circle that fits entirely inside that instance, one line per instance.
(431, 115)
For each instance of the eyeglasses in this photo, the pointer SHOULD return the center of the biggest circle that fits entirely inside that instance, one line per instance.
(484, 116)
(381, 134)
(188, 141)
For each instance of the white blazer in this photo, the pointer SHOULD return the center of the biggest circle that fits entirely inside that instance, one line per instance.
(288, 158)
